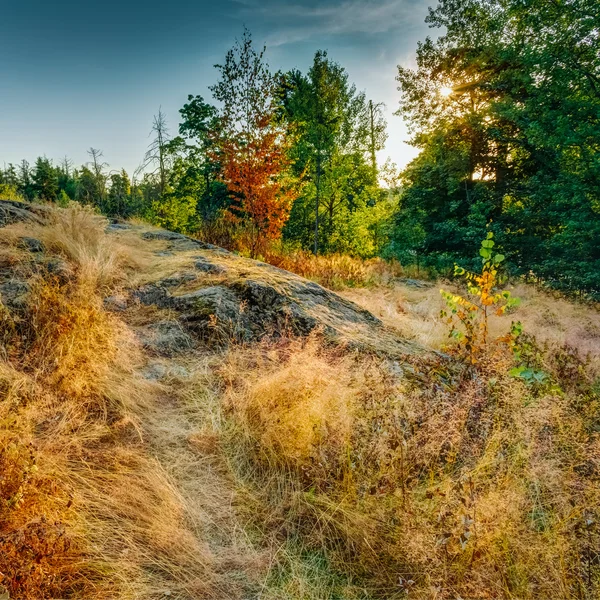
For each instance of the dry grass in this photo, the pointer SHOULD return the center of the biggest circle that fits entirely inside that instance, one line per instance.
(85, 511)
(287, 469)
(335, 271)
(462, 484)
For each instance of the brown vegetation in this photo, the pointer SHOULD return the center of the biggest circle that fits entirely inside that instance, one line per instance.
(84, 510)
(287, 468)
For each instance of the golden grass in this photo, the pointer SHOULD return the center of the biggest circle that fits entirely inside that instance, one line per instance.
(85, 511)
(286, 469)
(458, 484)
(415, 313)
(335, 271)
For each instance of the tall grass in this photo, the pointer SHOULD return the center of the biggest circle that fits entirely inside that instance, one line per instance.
(424, 479)
(335, 271)
(85, 512)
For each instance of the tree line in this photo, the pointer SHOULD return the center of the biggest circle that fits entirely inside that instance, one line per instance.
(504, 107)
(274, 155)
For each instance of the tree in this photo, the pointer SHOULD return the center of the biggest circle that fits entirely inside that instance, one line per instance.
(119, 196)
(196, 169)
(98, 192)
(506, 109)
(157, 154)
(332, 154)
(252, 144)
(45, 180)
(377, 132)
(25, 182)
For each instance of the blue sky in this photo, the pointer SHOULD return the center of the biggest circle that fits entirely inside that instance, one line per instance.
(75, 75)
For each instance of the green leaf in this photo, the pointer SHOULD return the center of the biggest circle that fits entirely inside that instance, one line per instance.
(490, 235)
(499, 258)
(517, 371)
(487, 243)
(485, 253)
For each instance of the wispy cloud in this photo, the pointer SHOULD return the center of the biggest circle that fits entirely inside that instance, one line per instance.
(298, 21)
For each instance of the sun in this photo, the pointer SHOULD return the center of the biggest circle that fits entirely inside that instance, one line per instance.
(446, 91)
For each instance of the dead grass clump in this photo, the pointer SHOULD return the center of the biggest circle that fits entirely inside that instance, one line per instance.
(335, 271)
(466, 482)
(296, 397)
(71, 341)
(38, 552)
(77, 234)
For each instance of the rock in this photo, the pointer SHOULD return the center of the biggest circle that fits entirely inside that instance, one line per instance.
(161, 234)
(253, 299)
(115, 303)
(164, 253)
(13, 293)
(58, 268)
(215, 300)
(177, 279)
(15, 212)
(204, 265)
(31, 244)
(117, 227)
(181, 242)
(166, 338)
(156, 371)
(153, 294)
(416, 283)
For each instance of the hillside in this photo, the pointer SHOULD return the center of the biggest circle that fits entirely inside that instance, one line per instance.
(177, 421)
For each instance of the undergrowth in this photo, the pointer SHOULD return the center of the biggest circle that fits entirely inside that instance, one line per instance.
(475, 475)
(336, 271)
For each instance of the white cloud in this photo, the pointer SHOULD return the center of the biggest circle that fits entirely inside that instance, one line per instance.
(295, 22)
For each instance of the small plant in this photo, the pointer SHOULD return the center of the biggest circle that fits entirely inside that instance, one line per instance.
(483, 300)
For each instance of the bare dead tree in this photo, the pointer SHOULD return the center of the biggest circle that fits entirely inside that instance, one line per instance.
(98, 166)
(156, 154)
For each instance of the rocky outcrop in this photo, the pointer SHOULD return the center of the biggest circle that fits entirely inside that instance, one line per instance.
(210, 295)
(219, 296)
(15, 212)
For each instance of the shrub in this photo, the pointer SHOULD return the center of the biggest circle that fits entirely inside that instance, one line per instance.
(483, 300)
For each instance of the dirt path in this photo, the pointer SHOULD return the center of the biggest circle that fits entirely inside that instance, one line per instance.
(181, 429)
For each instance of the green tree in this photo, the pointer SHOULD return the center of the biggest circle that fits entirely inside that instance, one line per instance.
(119, 195)
(505, 108)
(45, 180)
(338, 132)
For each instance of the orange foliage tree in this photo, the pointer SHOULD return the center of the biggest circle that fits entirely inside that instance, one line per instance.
(253, 145)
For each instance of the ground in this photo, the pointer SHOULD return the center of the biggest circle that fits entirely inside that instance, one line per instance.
(181, 422)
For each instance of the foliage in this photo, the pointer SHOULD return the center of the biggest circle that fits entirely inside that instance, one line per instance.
(338, 131)
(432, 481)
(10, 192)
(252, 145)
(174, 213)
(504, 106)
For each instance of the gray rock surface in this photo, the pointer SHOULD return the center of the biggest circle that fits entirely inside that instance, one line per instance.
(251, 299)
(115, 303)
(31, 244)
(206, 266)
(165, 338)
(13, 293)
(15, 212)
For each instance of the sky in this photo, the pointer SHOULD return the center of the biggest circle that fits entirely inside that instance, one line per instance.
(75, 75)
